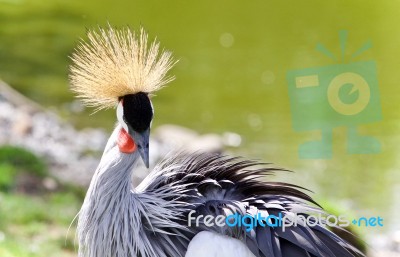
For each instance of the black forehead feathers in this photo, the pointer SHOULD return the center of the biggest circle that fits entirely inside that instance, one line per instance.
(138, 112)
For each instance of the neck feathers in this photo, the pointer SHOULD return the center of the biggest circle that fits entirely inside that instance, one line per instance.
(116, 221)
(106, 214)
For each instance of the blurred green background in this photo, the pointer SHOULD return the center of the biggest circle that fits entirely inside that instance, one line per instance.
(231, 76)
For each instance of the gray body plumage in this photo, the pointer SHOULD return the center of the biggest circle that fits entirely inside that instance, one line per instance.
(117, 220)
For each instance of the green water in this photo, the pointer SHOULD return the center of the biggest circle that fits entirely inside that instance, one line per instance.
(231, 76)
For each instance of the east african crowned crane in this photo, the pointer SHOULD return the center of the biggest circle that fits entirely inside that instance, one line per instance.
(119, 68)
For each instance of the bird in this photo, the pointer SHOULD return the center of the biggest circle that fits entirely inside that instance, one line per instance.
(192, 204)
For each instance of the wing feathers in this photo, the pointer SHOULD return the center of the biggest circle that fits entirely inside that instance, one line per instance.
(218, 185)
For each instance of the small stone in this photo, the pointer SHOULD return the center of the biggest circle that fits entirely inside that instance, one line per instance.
(231, 139)
(22, 125)
(50, 184)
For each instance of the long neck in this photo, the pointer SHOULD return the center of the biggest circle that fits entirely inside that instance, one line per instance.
(113, 175)
(107, 201)
(110, 220)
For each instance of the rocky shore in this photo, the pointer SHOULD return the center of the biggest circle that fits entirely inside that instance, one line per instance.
(28, 125)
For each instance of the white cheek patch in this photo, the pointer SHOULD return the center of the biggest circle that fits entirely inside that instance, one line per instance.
(152, 110)
(120, 116)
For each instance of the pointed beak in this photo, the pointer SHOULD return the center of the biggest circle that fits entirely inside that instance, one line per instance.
(142, 141)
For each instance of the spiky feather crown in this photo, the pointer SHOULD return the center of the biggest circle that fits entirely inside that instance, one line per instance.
(115, 63)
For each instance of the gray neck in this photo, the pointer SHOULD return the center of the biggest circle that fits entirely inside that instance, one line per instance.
(107, 201)
(110, 220)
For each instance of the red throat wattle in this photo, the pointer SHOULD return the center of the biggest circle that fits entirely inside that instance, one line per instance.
(125, 142)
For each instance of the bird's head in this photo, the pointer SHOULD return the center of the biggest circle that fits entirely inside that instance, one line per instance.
(118, 68)
(135, 113)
